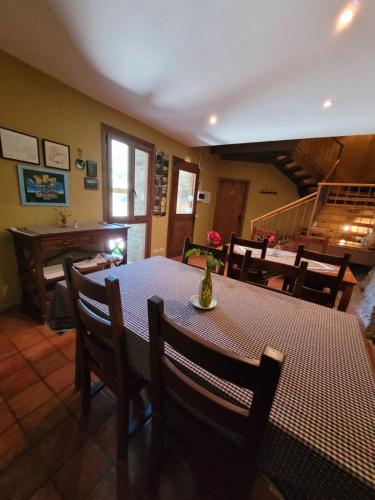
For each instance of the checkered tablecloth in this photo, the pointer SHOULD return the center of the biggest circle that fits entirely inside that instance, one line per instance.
(320, 441)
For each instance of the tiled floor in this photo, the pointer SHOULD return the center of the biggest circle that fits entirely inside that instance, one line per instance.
(45, 454)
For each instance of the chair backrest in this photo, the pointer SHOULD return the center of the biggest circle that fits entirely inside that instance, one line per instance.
(235, 260)
(259, 234)
(322, 288)
(293, 277)
(218, 253)
(101, 333)
(175, 393)
(313, 243)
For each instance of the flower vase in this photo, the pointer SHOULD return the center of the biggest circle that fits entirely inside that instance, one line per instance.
(205, 292)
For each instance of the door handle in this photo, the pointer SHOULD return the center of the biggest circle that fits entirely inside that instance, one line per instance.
(239, 217)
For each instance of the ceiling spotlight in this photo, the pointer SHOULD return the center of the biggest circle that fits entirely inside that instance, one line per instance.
(346, 16)
(328, 103)
(213, 120)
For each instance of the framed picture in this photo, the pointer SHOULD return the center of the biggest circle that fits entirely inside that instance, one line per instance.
(43, 186)
(17, 146)
(56, 155)
(91, 183)
(92, 168)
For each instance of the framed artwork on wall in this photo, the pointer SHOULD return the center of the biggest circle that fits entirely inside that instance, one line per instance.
(92, 168)
(56, 155)
(91, 183)
(43, 186)
(18, 146)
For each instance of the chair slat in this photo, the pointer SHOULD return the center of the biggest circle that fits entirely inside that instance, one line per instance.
(218, 253)
(235, 260)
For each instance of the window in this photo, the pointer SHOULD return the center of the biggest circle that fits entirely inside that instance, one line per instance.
(127, 186)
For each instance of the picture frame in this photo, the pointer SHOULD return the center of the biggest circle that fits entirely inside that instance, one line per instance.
(91, 183)
(56, 155)
(19, 146)
(91, 168)
(41, 186)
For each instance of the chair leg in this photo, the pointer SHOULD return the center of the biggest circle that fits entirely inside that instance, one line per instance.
(85, 385)
(122, 428)
(155, 457)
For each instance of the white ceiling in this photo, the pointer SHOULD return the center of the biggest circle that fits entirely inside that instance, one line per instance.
(264, 67)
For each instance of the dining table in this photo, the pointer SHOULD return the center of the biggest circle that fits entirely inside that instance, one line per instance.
(287, 257)
(320, 439)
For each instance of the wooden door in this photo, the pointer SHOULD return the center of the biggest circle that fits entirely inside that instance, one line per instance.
(182, 206)
(230, 207)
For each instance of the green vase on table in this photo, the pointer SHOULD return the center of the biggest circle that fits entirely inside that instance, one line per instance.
(205, 292)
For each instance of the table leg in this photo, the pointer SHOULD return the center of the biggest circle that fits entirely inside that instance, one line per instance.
(345, 296)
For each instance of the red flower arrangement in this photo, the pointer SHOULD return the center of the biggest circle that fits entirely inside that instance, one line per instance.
(213, 238)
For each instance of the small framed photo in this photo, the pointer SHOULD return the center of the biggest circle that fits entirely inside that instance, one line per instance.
(17, 146)
(56, 155)
(91, 183)
(92, 168)
(43, 186)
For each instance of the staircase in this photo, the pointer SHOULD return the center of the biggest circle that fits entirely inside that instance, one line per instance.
(343, 212)
(305, 162)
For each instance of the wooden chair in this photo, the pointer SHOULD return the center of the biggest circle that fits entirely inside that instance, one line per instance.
(235, 260)
(322, 288)
(293, 276)
(259, 234)
(196, 417)
(218, 253)
(101, 346)
(313, 243)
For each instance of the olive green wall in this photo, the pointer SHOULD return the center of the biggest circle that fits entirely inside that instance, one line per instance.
(34, 103)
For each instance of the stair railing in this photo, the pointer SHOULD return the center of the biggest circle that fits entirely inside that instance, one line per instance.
(289, 219)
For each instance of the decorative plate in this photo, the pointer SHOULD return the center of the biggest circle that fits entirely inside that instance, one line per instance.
(195, 301)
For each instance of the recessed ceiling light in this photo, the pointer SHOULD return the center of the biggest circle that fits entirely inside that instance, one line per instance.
(346, 16)
(213, 120)
(328, 103)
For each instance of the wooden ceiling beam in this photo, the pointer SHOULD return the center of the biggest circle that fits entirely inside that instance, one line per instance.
(255, 147)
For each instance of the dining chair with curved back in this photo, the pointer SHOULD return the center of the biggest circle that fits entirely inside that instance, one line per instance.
(101, 345)
(217, 436)
(218, 253)
(293, 276)
(322, 288)
(235, 260)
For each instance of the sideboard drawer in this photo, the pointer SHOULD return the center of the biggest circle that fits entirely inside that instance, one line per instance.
(105, 236)
(67, 242)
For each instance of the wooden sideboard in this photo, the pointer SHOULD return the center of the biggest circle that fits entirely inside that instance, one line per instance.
(35, 244)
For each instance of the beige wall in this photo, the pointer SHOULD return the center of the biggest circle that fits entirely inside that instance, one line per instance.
(35, 103)
(260, 176)
(358, 159)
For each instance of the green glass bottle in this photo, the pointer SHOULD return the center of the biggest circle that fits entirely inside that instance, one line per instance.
(205, 293)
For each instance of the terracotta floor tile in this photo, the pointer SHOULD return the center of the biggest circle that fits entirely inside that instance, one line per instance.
(79, 475)
(47, 492)
(23, 477)
(61, 378)
(39, 351)
(6, 418)
(105, 437)
(50, 363)
(7, 349)
(70, 397)
(12, 322)
(61, 443)
(12, 443)
(69, 351)
(46, 331)
(31, 398)
(102, 407)
(28, 339)
(113, 486)
(63, 340)
(42, 420)
(11, 365)
(14, 384)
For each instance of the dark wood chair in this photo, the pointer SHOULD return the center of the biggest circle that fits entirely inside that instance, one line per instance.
(293, 277)
(322, 288)
(235, 260)
(218, 253)
(197, 417)
(101, 346)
